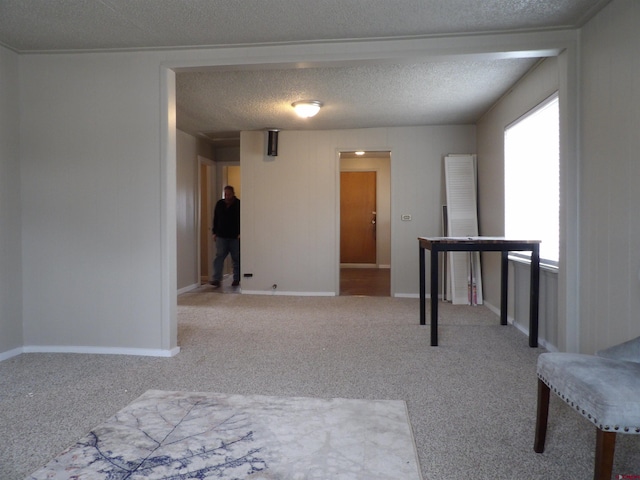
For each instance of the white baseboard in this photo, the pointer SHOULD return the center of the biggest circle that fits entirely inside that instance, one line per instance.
(319, 294)
(144, 352)
(542, 342)
(291, 294)
(10, 353)
(358, 265)
(548, 346)
(495, 310)
(410, 295)
(188, 288)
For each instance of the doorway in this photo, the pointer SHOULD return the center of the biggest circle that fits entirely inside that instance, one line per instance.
(214, 176)
(365, 223)
(230, 175)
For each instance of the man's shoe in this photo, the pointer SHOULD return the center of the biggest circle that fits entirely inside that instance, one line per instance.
(216, 283)
(235, 283)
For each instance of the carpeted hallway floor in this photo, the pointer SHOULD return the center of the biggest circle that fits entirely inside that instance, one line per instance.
(471, 400)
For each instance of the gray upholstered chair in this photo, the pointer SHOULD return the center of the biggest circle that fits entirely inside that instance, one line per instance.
(604, 388)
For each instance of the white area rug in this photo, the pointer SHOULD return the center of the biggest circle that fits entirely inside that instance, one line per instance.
(185, 435)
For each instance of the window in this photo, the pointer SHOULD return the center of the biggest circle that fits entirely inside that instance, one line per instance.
(532, 178)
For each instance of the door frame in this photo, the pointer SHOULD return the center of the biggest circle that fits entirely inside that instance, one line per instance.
(377, 169)
(209, 196)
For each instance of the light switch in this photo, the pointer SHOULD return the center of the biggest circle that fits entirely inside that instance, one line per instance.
(405, 217)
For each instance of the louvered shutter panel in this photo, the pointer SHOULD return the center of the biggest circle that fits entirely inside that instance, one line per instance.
(465, 275)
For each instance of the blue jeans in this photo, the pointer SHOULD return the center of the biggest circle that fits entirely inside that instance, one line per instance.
(225, 246)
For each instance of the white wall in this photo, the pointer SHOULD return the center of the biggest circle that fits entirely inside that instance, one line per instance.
(610, 177)
(92, 191)
(290, 221)
(187, 220)
(10, 207)
(604, 283)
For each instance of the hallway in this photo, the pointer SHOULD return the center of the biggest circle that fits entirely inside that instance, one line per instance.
(371, 282)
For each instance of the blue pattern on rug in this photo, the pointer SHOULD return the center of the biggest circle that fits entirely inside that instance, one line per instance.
(166, 439)
(206, 436)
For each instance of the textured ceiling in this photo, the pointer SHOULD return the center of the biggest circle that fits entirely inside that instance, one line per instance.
(40, 25)
(214, 102)
(354, 97)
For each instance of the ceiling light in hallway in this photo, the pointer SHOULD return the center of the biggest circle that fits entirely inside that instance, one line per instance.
(306, 108)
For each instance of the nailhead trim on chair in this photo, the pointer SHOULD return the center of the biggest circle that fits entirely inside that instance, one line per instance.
(632, 430)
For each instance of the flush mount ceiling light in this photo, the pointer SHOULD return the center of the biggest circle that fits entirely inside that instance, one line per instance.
(306, 108)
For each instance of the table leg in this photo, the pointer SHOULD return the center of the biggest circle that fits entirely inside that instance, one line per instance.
(434, 296)
(504, 286)
(534, 296)
(422, 288)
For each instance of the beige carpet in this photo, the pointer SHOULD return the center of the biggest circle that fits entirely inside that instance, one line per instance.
(471, 400)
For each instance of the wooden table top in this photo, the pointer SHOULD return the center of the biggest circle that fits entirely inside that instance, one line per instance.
(475, 240)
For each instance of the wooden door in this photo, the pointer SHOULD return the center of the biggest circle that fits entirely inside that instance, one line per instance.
(358, 217)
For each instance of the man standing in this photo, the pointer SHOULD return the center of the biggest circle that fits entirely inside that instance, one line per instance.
(226, 234)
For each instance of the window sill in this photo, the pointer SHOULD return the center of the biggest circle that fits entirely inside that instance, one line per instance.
(547, 267)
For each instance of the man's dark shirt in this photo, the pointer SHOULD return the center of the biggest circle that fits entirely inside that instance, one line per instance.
(226, 219)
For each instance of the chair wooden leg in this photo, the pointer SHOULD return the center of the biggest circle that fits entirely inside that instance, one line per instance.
(605, 447)
(542, 415)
